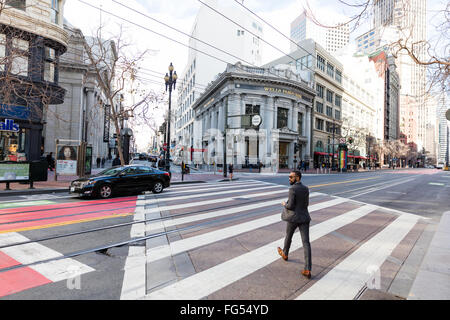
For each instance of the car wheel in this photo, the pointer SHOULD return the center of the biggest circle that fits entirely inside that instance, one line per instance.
(158, 187)
(105, 191)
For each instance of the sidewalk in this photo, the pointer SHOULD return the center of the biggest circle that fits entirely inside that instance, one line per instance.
(432, 282)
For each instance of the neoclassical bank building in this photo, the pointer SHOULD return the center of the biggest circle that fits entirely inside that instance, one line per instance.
(250, 116)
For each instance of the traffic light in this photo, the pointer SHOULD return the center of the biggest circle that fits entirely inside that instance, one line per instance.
(295, 147)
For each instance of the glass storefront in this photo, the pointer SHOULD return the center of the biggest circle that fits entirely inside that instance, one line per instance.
(12, 146)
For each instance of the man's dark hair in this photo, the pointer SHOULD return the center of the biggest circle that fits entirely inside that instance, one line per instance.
(297, 173)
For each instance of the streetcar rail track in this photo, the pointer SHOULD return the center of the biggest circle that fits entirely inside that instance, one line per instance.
(247, 201)
(103, 248)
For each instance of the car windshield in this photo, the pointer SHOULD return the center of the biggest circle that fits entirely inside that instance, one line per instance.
(110, 172)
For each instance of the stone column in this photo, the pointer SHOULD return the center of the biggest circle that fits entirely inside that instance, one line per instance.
(294, 117)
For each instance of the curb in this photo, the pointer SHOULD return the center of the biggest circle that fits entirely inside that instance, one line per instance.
(26, 192)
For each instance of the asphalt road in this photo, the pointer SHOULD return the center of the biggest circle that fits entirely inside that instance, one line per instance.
(423, 192)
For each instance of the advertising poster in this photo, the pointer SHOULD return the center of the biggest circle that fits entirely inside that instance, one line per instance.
(14, 171)
(66, 161)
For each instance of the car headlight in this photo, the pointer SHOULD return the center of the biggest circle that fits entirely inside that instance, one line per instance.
(88, 183)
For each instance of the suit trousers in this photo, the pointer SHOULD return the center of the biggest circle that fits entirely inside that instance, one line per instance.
(304, 232)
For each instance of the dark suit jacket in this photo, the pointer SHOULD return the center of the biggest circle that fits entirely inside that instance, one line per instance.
(298, 201)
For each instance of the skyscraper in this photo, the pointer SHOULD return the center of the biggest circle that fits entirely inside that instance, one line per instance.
(331, 39)
(202, 68)
(406, 19)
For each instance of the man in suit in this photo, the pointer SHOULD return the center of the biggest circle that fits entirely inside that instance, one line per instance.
(298, 202)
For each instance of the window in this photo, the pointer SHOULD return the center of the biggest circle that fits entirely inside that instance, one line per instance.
(300, 123)
(19, 57)
(282, 117)
(18, 4)
(252, 109)
(337, 100)
(338, 76)
(49, 64)
(329, 111)
(330, 70)
(319, 90)
(319, 107)
(330, 96)
(319, 124)
(321, 63)
(145, 170)
(55, 11)
(329, 127)
(337, 114)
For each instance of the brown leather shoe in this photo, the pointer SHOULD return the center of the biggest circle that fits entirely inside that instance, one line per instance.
(306, 273)
(281, 253)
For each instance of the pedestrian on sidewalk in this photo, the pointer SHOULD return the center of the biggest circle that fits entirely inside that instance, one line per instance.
(98, 162)
(116, 161)
(230, 170)
(298, 202)
(50, 161)
(103, 162)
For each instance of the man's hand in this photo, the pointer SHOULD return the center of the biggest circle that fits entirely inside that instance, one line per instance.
(283, 203)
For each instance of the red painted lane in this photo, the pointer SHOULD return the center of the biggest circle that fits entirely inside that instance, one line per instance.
(68, 211)
(14, 226)
(17, 280)
(65, 205)
(6, 261)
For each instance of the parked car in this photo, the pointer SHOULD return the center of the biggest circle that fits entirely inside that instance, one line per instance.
(122, 179)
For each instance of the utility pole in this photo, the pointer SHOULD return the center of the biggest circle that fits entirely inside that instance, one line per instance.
(225, 126)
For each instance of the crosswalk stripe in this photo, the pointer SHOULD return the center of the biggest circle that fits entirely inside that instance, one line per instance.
(345, 280)
(31, 252)
(215, 214)
(169, 192)
(213, 201)
(213, 279)
(180, 246)
(208, 194)
(209, 185)
(133, 286)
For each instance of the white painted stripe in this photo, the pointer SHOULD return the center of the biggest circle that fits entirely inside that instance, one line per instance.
(213, 201)
(173, 192)
(199, 185)
(32, 252)
(345, 280)
(214, 214)
(213, 279)
(381, 188)
(180, 246)
(134, 278)
(208, 194)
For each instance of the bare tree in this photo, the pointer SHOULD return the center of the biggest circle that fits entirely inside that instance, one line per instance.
(116, 71)
(431, 53)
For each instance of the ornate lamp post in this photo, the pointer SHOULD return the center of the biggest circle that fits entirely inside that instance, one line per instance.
(170, 80)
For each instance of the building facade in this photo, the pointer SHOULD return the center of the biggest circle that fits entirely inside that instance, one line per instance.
(201, 69)
(327, 114)
(81, 117)
(253, 115)
(406, 20)
(32, 39)
(331, 39)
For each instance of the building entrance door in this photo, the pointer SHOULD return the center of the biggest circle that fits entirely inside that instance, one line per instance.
(283, 159)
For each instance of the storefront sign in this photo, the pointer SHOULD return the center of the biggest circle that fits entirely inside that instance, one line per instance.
(9, 125)
(14, 171)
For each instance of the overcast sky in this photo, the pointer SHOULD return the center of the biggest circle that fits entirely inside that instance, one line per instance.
(181, 15)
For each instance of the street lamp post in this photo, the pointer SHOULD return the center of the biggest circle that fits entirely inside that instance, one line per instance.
(170, 80)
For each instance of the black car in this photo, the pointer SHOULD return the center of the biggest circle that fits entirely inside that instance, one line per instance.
(121, 179)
